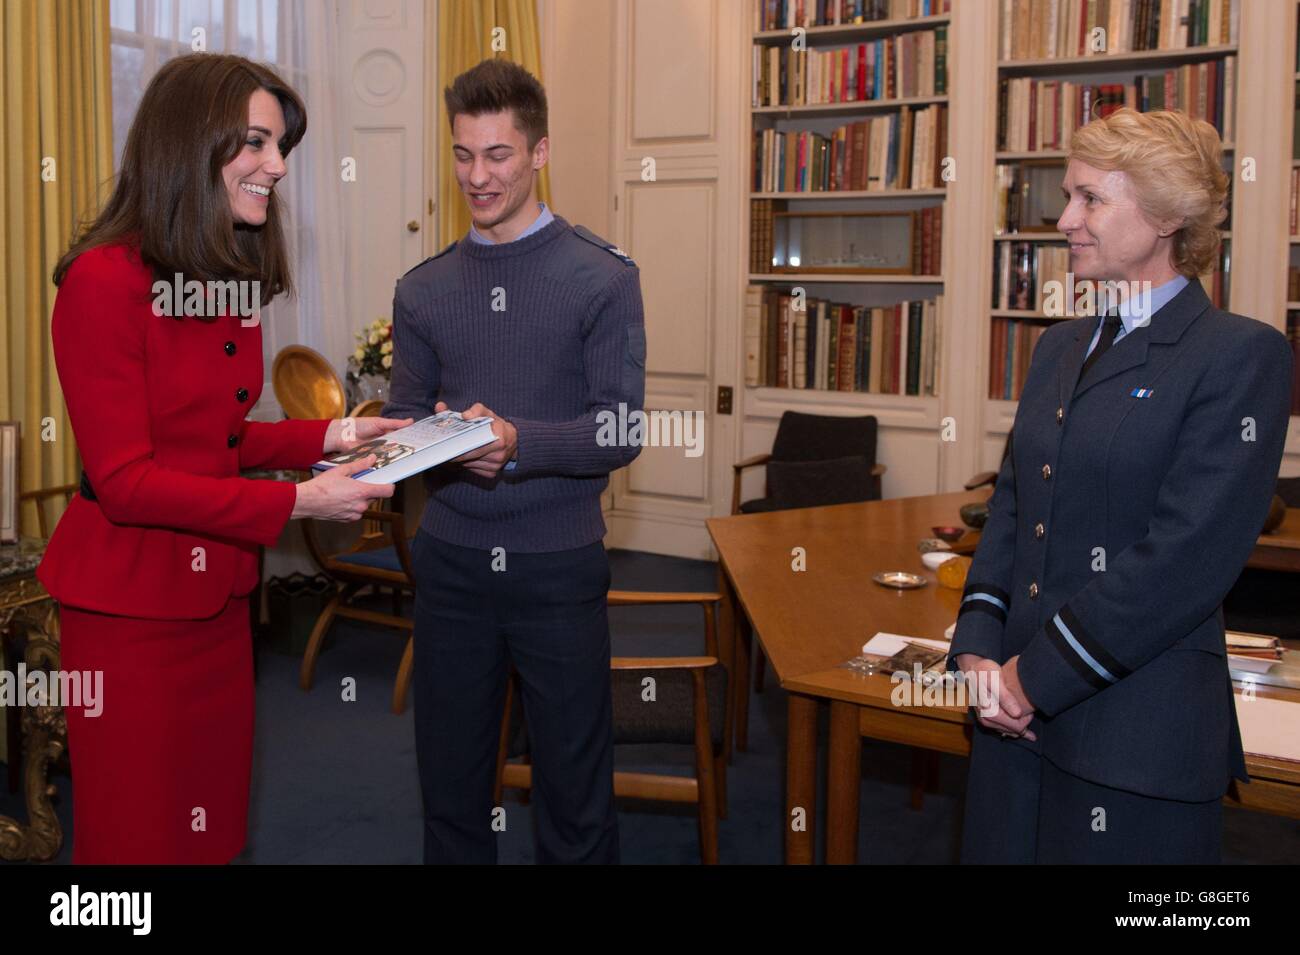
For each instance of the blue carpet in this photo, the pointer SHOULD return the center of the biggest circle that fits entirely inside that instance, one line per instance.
(335, 781)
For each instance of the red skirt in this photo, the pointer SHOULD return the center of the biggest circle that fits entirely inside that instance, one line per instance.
(161, 775)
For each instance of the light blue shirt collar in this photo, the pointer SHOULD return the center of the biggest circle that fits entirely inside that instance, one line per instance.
(1136, 311)
(541, 222)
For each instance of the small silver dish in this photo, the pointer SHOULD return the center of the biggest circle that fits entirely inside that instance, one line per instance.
(899, 580)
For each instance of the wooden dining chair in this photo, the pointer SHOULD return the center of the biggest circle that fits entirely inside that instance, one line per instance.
(379, 558)
(689, 708)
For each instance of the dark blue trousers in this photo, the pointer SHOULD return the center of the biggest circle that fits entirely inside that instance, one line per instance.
(545, 613)
(1021, 808)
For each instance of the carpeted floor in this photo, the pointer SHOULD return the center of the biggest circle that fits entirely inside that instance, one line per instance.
(335, 781)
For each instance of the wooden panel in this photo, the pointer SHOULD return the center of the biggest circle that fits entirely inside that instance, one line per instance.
(673, 49)
(679, 472)
(670, 234)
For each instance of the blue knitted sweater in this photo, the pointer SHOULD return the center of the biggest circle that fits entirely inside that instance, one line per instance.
(546, 331)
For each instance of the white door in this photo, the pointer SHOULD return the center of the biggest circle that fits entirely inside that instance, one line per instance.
(382, 86)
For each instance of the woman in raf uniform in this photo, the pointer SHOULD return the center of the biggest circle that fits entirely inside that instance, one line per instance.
(153, 562)
(1146, 449)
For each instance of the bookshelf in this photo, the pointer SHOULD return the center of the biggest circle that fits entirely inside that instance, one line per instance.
(1133, 58)
(791, 102)
(1264, 45)
(1292, 319)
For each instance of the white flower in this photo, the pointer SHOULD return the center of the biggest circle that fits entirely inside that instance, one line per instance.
(374, 338)
(386, 348)
(360, 353)
(387, 361)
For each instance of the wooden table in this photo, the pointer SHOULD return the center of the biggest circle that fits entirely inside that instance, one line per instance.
(861, 707)
(810, 621)
(29, 626)
(1279, 550)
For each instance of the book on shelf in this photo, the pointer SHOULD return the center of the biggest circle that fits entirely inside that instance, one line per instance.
(1293, 336)
(1293, 221)
(1011, 344)
(417, 447)
(897, 150)
(906, 65)
(926, 256)
(1041, 114)
(836, 346)
(1022, 272)
(1049, 29)
(784, 14)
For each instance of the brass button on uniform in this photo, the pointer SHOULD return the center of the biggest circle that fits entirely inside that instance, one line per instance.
(1038, 531)
(241, 395)
(232, 440)
(1033, 591)
(1060, 415)
(230, 348)
(1047, 471)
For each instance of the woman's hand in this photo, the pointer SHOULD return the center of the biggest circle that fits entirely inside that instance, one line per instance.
(336, 496)
(1000, 705)
(344, 434)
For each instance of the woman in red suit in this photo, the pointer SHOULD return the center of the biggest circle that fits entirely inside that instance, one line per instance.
(153, 562)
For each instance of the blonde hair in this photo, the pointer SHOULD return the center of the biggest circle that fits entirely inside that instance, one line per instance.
(1176, 166)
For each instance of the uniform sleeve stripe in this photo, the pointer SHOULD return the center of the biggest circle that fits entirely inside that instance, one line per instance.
(1000, 604)
(1068, 644)
(1094, 648)
(1086, 673)
(982, 606)
(996, 592)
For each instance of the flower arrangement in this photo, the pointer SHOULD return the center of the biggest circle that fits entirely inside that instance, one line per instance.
(374, 351)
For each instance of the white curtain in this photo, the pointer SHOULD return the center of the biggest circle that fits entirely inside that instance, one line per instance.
(299, 39)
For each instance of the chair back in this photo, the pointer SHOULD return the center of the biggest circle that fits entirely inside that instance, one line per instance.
(814, 437)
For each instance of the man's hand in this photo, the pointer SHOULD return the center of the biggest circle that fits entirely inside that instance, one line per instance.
(346, 433)
(488, 460)
(1001, 705)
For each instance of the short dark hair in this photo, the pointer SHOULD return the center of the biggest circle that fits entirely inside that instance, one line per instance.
(495, 86)
(169, 199)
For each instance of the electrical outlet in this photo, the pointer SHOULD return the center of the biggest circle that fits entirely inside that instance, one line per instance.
(724, 399)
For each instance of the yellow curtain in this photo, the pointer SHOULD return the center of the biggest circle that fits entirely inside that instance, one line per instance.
(465, 29)
(56, 140)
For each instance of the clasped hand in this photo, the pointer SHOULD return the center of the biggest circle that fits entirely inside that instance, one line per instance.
(1002, 704)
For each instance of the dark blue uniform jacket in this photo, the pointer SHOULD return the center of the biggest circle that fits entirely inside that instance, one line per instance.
(1123, 515)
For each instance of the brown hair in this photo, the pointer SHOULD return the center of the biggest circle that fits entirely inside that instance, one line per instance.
(170, 201)
(495, 86)
(1176, 166)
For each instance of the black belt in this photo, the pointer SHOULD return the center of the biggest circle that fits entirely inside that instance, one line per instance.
(86, 490)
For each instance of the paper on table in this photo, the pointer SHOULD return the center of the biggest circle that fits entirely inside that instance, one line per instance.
(887, 644)
(1269, 727)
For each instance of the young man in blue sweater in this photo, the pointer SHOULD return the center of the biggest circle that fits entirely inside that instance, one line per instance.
(537, 324)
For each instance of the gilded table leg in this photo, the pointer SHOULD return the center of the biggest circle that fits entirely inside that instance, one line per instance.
(44, 739)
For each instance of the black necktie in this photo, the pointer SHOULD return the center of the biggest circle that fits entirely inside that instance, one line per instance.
(1109, 329)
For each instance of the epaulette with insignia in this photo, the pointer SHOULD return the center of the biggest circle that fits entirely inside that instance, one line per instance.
(609, 247)
(430, 258)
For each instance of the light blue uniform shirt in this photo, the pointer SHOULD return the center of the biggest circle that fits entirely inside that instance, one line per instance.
(1161, 295)
(543, 220)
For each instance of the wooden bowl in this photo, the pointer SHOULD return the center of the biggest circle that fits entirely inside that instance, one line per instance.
(306, 385)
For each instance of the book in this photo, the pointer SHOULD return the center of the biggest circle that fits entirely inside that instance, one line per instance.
(417, 447)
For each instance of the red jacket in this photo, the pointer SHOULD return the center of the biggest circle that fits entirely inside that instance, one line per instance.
(157, 406)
